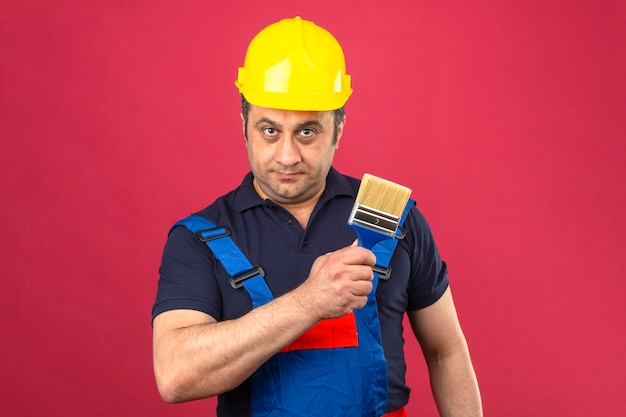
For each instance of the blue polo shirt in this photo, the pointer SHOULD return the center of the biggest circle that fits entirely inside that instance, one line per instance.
(269, 236)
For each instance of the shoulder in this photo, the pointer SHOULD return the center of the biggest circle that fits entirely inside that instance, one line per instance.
(231, 203)
(417, 225)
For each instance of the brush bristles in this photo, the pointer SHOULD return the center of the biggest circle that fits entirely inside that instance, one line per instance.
(383, 195)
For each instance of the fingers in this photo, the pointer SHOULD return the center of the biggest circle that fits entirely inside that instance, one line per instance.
(355, 255)
(340, 281)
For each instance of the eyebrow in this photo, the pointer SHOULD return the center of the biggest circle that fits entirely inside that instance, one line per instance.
(268, 121)
(300, 126)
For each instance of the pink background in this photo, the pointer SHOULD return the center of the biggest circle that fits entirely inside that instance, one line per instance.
(506, 118)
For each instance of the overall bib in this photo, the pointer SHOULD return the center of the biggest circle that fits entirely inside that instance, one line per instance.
(337, 368)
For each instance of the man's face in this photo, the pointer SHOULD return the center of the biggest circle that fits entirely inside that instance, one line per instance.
(290, 153)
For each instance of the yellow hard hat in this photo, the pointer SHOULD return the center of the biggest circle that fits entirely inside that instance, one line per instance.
(295, 65)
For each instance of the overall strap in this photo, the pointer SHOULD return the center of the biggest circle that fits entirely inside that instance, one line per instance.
(241, 272)
(369, 324)
(385, 248)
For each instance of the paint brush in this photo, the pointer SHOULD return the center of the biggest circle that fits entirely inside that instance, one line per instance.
(377, 211)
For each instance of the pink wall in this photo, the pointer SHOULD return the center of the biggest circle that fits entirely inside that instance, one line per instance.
(506, 118)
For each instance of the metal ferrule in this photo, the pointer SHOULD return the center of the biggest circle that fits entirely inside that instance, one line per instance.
(374, 219)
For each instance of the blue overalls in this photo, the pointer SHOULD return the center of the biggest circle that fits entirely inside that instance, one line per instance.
(337, 368)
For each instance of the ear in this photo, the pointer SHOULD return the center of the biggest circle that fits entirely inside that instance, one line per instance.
(243, 128)
(340, 132)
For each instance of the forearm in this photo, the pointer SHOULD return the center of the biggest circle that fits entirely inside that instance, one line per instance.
(454, 385)
(196, 357)
(445, 349)
(206, 359)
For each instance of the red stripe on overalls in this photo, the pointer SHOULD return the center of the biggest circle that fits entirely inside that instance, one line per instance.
(330, 333)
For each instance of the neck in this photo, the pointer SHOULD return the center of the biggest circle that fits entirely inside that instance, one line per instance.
(302, 211)
(302, 214)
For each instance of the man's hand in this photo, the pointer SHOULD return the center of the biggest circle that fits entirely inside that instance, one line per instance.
(339, 282)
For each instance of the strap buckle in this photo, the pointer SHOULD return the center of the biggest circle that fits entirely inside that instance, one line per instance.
(383, 273)
(237, 282)
(206, 235)
(402, 233)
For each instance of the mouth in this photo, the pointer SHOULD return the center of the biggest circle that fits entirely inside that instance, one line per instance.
(286, 176)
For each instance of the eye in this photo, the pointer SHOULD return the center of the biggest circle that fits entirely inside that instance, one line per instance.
(307, 133)
(269, 131)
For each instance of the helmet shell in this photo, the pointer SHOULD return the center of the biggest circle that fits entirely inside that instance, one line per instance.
(294, 64)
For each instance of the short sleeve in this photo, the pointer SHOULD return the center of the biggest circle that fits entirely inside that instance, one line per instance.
(187, 276)
(429, 275)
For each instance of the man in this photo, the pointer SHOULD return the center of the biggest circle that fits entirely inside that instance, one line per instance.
(327, 338)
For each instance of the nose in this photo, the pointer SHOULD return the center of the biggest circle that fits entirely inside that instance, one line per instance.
(287, 151)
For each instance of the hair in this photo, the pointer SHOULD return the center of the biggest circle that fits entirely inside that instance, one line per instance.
(340, 114)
